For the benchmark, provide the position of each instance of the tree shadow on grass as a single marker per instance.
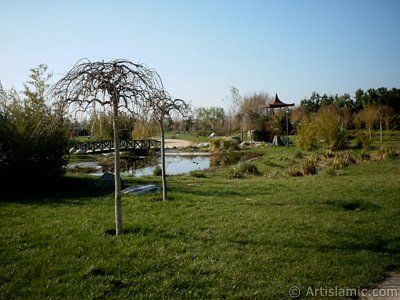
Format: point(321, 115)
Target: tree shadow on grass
point(66, 189)
point(374, 243)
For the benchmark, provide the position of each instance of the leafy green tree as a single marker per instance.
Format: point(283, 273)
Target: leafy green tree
point(234, 101)
point(306, 134)
point(367, 117)
point(324, 129)
point(33, 137)
point(210, 118)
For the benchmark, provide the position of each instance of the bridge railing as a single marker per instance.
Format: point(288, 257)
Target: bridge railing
point(106, 146)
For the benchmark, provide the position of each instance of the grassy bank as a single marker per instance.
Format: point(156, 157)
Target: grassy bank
point(216, 237)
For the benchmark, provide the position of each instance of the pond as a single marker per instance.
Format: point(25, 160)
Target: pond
point(176, 163)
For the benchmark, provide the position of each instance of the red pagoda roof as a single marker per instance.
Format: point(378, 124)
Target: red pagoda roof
point(276, 103)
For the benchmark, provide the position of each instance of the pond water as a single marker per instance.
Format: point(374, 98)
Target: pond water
point(174, 164)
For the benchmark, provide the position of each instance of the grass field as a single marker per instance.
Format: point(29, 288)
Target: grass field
point(216, 237)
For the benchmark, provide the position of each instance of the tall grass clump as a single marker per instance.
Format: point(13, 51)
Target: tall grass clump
point(246, 168)
point(386, 151)
point(307, 167)
point(157, 171)
point(222, 144)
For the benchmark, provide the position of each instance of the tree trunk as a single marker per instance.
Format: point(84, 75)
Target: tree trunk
point(117, 169)
point(164, 180)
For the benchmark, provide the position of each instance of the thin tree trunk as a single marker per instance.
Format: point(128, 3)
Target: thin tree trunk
point(164, 180)
point(117, 169)
point(380, 129)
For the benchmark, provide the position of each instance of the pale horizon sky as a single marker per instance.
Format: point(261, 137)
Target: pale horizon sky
point(202, 48)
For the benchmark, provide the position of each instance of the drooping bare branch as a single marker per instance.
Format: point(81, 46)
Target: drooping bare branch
point(126, 84)
point(119, 85)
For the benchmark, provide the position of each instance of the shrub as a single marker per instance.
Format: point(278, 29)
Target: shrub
point(322, 130)
point(293, 172)
point(309, 166)
point(329, 130)
point(157, 171)
point(260, 135)
point(234, 173)
point(224, 145)
point(244, 169)
point(348, 158)
point(33, 138)
point(363, 141)
point(197, 174)
point(365, 154)
point(333, 171)
point(298, 154)
point(386, 152)
point(306, 135)
point(249, 168)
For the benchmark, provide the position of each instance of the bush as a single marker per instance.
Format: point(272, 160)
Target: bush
point(223, 145)
point(298, 154)
point(306, 135)
point(386, 152)
point(333, 171)
point(309, 166)
point(260, 135)
point(157, 171)
point(365, 154)
point(243, 169)
point(197, 174)
point(322, 130)
point(234, 173)
point(293, 172)
point(249, 168)
point(363, 141)
point(33, 138)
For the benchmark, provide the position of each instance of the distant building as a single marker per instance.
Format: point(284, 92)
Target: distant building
point(275, 103)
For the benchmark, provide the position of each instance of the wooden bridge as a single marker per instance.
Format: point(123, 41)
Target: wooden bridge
point(136, 147)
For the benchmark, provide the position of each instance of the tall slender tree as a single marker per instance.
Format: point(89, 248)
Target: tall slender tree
point(117, 85)
point(162, 105)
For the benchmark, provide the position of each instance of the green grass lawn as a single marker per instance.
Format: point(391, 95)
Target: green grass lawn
point(216, 237)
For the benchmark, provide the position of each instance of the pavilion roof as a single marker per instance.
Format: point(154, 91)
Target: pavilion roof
point(276, 103)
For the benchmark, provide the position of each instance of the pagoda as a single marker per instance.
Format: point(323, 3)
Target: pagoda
point(275, 103)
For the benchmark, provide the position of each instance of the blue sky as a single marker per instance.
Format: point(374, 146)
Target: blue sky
point(202, 48)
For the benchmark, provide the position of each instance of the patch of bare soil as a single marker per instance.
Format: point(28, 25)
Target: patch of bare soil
point(389, 289)
point(177, 143)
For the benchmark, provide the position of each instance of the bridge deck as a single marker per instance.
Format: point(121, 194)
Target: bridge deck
point(106, 146)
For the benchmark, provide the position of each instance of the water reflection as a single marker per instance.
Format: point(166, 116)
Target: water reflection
point(175, 164)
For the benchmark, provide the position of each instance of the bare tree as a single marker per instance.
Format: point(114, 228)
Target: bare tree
point(118, 85)
point(162, 105)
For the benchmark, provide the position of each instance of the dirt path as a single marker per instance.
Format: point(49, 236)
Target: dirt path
point(177, 143)
point(389, 289)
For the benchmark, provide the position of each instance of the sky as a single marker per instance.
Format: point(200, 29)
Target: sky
point(201, 48)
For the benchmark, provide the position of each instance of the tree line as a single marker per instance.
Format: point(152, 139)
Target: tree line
point(33, 138)
point(371, 109)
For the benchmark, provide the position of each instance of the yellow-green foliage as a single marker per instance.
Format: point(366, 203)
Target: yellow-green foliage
point(322, 130)
point(223, 144)
point(306, 135)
